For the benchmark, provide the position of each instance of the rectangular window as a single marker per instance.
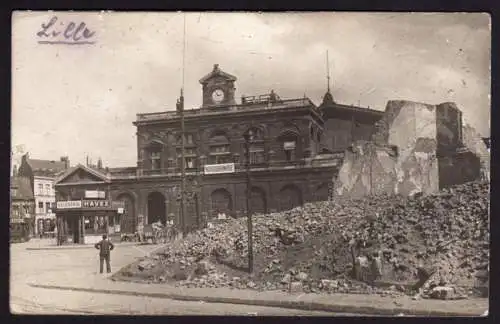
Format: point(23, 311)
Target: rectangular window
point(289, 148)
point(40, 207)
point(187, 152)
point(47, 207)
point(257, 157)
point(47, 189)
point(257, 154)
point(190, 163)
point(220, 159)
point(155, 160)
point(40, 189)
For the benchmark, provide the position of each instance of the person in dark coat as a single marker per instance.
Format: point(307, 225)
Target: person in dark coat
point(105, 247)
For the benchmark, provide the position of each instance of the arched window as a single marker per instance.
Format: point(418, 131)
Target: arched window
point(220, 148)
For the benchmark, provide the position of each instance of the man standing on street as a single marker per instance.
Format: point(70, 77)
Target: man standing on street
point(105, 247)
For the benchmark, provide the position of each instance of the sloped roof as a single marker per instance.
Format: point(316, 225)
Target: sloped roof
point(93, 171)
point(217, 72)
point(46, 167)
point(23, 186)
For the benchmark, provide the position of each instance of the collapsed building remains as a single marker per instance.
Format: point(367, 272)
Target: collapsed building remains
point(416, 148)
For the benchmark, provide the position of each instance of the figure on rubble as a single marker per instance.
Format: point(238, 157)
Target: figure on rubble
point(365, 268)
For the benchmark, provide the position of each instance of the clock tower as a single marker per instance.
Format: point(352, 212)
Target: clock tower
point(218, 88)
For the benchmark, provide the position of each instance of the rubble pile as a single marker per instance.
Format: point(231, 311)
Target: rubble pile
point(426, 242)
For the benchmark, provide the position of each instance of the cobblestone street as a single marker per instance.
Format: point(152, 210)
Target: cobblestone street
point(59, 266)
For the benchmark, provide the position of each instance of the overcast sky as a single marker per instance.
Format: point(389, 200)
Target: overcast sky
point(82, 99)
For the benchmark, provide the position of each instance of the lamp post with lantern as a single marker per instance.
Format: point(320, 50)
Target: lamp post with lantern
point(248, 136)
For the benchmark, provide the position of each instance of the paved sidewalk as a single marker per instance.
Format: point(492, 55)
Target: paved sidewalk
point(50, 244)
point(338, 303)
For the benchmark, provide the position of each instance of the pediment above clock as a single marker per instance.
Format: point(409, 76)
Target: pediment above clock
point(217, 73)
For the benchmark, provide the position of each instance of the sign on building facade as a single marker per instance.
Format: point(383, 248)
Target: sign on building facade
point(219, 168)
point(70, 204)
point(95, 194)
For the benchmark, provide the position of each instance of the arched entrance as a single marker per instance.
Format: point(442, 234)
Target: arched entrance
point(221, 202)
point(322, 192)
point(258, 201)
point(290, 196)
point(127, 220)
point(156, 208)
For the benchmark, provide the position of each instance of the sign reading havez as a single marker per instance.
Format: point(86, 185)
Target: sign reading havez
point(69, 204)
point(219, 168)
point(96, 204)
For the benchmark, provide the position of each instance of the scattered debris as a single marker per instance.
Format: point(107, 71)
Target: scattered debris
point(432, 244)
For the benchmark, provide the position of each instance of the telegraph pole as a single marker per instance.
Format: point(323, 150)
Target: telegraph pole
point(183, 167)
point(248, 138)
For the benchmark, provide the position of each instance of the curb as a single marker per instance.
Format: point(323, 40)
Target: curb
point(294, 304)
point(76, 247)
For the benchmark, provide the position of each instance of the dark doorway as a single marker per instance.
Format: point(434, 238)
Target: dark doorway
point(290, 197)
point(258, 204)
point(156, 208)
point(322, 192)
point(128, 219)
point(221, 202)
point(74, 223)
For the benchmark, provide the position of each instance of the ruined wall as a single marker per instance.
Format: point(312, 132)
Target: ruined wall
point(412, 167)
point(367, 169)
point(473, 141)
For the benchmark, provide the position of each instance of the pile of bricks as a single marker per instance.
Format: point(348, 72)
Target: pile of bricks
point(308, 249)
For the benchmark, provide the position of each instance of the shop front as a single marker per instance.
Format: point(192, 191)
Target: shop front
point(85, 221)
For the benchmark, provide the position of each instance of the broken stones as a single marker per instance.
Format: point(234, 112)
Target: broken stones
point(286, 279)
point(442, 293)
point(296, 287)
point(301, 276)
point(310, 243)
point(145, 265)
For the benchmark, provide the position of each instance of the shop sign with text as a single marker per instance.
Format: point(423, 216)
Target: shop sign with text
point(69, 204)
point(96, 204)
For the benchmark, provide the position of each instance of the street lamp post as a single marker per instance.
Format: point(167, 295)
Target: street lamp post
point(248, 136)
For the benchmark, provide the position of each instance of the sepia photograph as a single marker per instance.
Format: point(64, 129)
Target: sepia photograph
point(250, 164)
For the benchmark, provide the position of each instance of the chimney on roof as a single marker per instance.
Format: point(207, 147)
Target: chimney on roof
point(65, 159)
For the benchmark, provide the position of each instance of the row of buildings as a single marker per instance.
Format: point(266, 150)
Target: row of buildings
point(293, 147)
point(33, 198)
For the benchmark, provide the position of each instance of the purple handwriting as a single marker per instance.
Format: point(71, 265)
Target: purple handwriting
point(65, 33)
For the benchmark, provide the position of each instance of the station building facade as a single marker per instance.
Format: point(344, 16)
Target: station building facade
point(295, 150)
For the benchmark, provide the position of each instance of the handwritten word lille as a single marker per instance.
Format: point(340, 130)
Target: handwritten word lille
point(55, 32)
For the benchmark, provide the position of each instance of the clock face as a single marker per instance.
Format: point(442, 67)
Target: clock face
point(218, 95)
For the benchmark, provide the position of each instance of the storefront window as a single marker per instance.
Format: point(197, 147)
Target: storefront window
point(95, 225)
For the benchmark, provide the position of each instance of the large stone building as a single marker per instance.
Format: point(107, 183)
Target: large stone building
point(295, 149)
point(42, 175)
